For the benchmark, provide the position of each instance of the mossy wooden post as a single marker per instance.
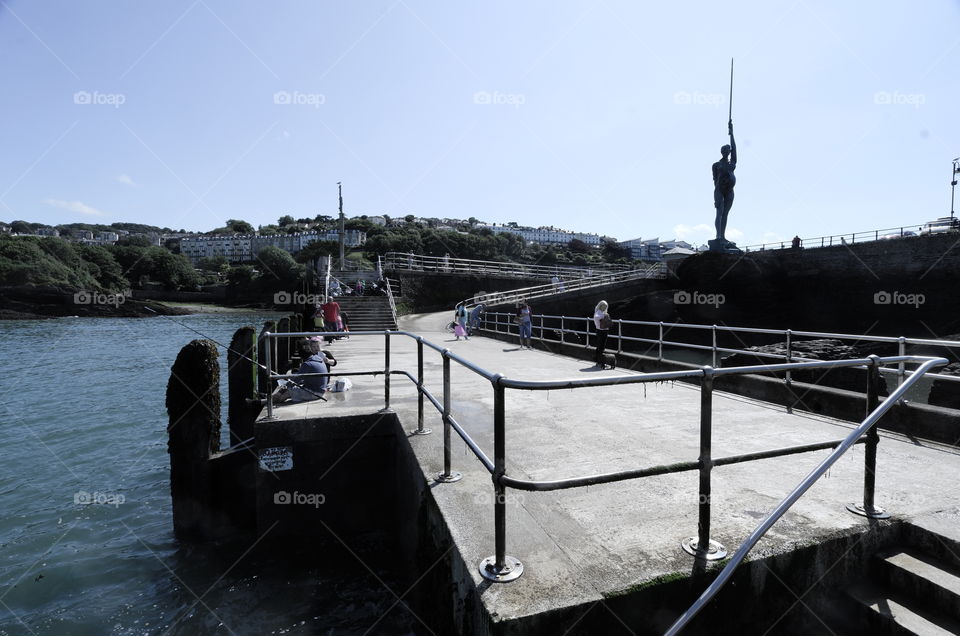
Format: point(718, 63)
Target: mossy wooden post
point(242, 384)
point(265, 386)
point(283, 345)
point(193, 433)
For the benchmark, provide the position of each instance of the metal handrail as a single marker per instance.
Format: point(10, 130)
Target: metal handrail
point(836, 239)
point(500, 566)
point(818, 472)
point(789, 335)
point(393, 305)
point(418, 262)
point(550, 289)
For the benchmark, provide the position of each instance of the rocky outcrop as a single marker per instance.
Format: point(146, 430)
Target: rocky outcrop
point(946, 392)
point(31, 303)
point(851, 379)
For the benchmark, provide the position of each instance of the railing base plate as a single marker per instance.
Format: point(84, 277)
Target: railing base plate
point(449, 479)
point(511, 570)
point(714, 551)
point(417, 431)
point(873, 513)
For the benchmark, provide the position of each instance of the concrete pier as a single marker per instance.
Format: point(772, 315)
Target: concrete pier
point(610, 545)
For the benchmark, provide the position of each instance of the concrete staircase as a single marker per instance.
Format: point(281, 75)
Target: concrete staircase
point(367, 313)
point(913, 588)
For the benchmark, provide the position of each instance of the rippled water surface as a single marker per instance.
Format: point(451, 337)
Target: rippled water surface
point(83, 419)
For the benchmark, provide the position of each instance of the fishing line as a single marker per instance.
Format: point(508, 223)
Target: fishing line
point(245, 357)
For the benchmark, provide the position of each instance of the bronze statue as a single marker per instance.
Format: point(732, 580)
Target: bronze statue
point(723, 181)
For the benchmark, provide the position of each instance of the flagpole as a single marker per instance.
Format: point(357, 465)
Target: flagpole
point(340, 197)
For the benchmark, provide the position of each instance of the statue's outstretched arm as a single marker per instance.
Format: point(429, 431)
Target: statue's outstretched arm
point(733, 144)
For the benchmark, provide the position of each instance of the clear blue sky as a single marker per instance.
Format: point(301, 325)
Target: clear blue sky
point(603, 116)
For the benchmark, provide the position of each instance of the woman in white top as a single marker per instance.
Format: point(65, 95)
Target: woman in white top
point(601, 319)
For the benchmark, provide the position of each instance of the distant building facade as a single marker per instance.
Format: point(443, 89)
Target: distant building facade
point(243, 248)
point(545, 235)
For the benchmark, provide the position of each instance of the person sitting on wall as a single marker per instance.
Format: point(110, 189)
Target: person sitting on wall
point(312, 387)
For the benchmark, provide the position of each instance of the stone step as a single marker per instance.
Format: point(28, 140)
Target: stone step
point(887, 612)
point(922, 576)
point(937, 536)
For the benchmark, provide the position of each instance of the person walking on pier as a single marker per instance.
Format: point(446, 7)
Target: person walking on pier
point(460, 322)
point(602, 321)
point(331, 317)
point(525, 321)
point(476, 315)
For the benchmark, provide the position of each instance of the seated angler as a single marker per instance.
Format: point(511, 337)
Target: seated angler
point(310, 387)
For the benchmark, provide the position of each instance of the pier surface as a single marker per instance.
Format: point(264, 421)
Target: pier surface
point(587, 544)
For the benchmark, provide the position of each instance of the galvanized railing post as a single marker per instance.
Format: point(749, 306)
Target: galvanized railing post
point(563, 331)
point(386, 373)
point(269, 360)
point(447, 475)
point(420, 430)
point(901, 366)
point(619, 336)
point(701, 546)
point(869, 508)
point(500, 567)
point(789, 377)
point(660, 344)
point(714, 330)
point(587, 337)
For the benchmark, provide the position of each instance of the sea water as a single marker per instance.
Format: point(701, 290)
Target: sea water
point(86, 532)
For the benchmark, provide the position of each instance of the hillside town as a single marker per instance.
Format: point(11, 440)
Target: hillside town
point(238, 242)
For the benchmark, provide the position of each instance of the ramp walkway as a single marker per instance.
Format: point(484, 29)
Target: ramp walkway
point(588, 544)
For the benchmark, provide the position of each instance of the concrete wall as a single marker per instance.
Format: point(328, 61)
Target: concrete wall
point(342, 475)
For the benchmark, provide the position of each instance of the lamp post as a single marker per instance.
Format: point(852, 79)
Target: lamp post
point(955, 170)
point(340, 197)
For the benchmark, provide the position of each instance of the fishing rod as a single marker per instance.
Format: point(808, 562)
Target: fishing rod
point(245, 357)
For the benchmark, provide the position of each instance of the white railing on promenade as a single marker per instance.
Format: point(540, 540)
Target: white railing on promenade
point(512, 296)
point(447, 264)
